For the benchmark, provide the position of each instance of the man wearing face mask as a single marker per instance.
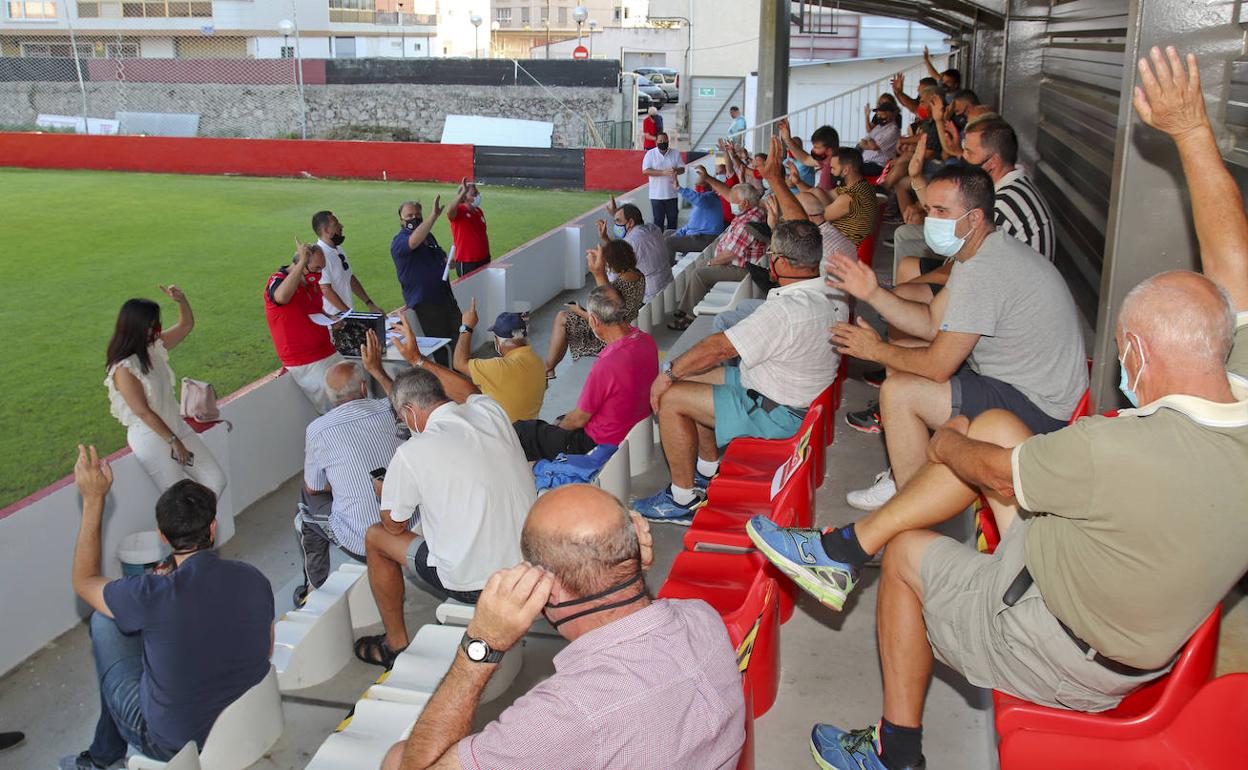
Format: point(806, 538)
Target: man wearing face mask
point(706, 220)
point(462, 478)
point(647, 240)
point(1003, 335)
point(421, 264)
point(1120, 535)
point(468, 231)
point(338, 282)
point(516, 376)
point(823, 142)
point(292, 295)
point(643, 684)
point(662, 165)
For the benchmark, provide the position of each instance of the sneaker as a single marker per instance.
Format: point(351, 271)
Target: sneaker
point(837, 749)
point(799, 554)
point(867, 421)
point(702, 482)
point(661, 507)
point(875, 378)
point(875, 495)
point(300, 595)
point(82, 761)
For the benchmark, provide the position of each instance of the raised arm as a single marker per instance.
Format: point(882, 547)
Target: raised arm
point(463, 346)
point(458, 387)
point(370, 355)
point(717, 186)
point(898, 84)
point(800, 155)
point(1170, 100)
point(285, 290)
point(927, 61)
point(452, 209)
point(422, 230)
point(186, 319)
point(94, 478)
point(773, 172)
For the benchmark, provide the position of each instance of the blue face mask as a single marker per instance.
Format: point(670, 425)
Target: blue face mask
point(1127, 389)
point(940, 235)
point(619, 230)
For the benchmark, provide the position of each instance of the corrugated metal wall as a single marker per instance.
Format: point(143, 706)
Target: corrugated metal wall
point(1080, 88)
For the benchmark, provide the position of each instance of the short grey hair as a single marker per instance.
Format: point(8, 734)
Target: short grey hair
point(799, 241)
point(749, 193)
point(518, 335)
point(587, 565)
point(350, 388)
point(417, 387)
point(1177, 322)
point(606, 304)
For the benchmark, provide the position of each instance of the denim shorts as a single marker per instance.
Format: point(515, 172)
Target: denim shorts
point(738, 414)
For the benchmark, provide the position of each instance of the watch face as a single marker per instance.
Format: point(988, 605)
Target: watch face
point(477, 650)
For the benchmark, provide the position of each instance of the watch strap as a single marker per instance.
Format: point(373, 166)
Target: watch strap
point(491, 656)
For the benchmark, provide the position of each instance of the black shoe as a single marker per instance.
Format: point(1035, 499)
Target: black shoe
point(867, 421)
point(875, 378)
point(300, 596)
point(9, 740)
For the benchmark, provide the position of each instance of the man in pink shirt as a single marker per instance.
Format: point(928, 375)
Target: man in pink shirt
point(644, 685)
point(616, 395)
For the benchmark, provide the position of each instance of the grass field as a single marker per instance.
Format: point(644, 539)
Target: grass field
point(81, 243)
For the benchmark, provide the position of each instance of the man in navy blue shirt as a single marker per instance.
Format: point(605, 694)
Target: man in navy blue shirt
point(421, 266)
point(706, 220)
point(171, 651)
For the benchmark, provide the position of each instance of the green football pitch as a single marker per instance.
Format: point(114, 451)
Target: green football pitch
point(82, 242)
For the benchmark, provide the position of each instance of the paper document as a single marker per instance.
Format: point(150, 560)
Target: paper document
point(320, 319)
point(446, 271)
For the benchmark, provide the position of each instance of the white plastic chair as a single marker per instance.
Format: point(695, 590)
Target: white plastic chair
point(615, 477)
point(453, 613)
point(242, 734)
point(420, 668)
point(669, 296)
point(311, 646)
point(360, 601)
point(364, 740)
point(641, 446)
point(714, 304)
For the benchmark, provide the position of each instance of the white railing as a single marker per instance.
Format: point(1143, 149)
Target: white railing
point(844, 112)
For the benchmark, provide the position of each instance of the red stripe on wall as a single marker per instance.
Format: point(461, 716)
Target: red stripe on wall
point(613, 169)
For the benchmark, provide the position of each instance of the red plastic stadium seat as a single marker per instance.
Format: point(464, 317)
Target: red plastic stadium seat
point(754, 628)
point(723, 580)
point(1034, 737)
point(866, 249)
point(748, 468)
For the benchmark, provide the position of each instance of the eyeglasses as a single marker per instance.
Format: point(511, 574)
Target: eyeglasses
point(771, 254)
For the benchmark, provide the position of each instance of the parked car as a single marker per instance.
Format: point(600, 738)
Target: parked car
point(666, 78)
point(654, 96)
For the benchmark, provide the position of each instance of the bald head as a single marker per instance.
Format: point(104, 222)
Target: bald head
point(345, 382)
point(584, 536)
point(1183, 318)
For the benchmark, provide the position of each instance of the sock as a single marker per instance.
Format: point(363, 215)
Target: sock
point(708, 468)
point(900, 746)
point(681, 495)
point(841, 544)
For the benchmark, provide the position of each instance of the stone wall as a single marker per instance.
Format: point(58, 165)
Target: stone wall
point(272, 111)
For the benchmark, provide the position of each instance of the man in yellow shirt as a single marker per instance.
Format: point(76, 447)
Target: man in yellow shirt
point(516, 379)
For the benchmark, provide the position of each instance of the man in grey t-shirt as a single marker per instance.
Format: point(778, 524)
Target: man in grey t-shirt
point(1004, 335)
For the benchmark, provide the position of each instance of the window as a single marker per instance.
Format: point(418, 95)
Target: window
point(353, 11)
point(524, 15)
point(31, 9)
point(616, 12)
point(502, 16)
point(150, 9)
point(344, 47)
point(288, 52)
point(563, 16)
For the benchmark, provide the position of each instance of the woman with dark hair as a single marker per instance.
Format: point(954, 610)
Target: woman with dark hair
point(141, 396)
point(615, 263)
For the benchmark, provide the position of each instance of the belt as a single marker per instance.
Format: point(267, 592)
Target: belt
point(769, 406)
point(1024, 581)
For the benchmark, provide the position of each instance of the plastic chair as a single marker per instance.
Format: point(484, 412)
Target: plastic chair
point(723, 580)
point(866, 249)
point(364, 738)
point(244, 731)
point(746, 760)
point(760, 457)
point(186, 759)
point(640, 442)
point(420, 668)
point(754, 629)
point(713, 304)
point(616, 476)
point(311, 646)
point(1034, 737)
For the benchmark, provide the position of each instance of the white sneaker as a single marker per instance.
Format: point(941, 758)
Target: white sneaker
point(875, 495)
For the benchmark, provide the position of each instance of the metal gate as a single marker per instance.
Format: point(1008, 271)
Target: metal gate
point(631, 60)
point(709, 100)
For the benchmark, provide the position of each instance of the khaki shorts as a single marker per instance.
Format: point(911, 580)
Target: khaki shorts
point(1019, 650)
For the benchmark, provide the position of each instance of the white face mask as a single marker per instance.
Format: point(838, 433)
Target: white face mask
point(736, 209)
point(941, 235)
point(410, 425)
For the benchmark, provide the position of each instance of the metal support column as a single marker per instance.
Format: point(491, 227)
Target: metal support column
point(773, 60)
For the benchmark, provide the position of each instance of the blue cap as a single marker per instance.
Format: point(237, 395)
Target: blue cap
point(507, 324)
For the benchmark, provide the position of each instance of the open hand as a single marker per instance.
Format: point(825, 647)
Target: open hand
point(919, 157)
point(851, 276)
point(858, 340)
point(783, 127)
point(773, 168)
point(510, 602)
point(93, 476)
point(174, 293)
point(597, 264)
point(602, 229)
point(437, 206)
point(406, 344)
point(1169, 97)
point(370, 353)
point(898, 83)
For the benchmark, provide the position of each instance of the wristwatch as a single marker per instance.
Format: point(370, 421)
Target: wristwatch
point(478, 650)
point(667, 369)
point(465, 329)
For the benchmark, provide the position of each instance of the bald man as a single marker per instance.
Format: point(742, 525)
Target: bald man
point(338, 502)
point(643, 684)
point(1120, 534)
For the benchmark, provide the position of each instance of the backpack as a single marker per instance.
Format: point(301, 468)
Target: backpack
point(199, 402)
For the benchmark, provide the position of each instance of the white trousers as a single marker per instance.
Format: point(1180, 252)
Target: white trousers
point(311, 379)
point(155, 455)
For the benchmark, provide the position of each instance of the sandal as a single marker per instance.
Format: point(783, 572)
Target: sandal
point(681, 323)
point(550, 374)
point(376, 651)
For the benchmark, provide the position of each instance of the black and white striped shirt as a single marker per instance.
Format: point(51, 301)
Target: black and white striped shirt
point(1021, 212)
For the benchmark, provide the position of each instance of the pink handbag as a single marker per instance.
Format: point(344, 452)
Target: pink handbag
point(199, 402)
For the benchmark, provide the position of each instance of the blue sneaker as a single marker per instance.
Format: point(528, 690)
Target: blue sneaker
point(702, 482)
point(837, 749)
point(661, 507)
point(799, 554)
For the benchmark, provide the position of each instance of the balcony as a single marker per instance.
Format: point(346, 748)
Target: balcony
point(383, 18)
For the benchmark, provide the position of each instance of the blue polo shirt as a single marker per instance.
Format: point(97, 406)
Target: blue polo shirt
point(205, 630)
point(420, 270)
point(707, 216)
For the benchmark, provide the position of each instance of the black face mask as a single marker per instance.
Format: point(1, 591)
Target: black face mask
point(960, 122)
point(663, 146)
point(412, 224)
point(595, 597)
point(337, 239)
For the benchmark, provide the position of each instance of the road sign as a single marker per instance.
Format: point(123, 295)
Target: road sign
point(580, 52)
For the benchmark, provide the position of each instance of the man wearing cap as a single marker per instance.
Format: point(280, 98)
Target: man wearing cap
point(879, 146)
point(516, 378)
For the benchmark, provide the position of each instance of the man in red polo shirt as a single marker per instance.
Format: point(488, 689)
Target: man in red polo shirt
point(471, 242)
point(292, 295)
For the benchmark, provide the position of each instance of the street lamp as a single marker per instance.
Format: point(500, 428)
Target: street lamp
point(402, 30)
point(476, 39)
point(580, 13)
point(593, 27)
point(285, 26)
point(494, 28)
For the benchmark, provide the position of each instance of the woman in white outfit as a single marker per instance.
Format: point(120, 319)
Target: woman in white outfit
point(141, 397)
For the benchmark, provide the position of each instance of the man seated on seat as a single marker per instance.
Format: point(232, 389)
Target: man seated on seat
point(785, 365)
point(644, 684)
point(171, 650)
point(851, 207)
point(615, 396)
point(341, 448)
point(823, 143)
point(734, 250)
point(464, 469)
point(516, 377)
point(648, 242)
point(1004, 334)
point(706, 216)
point(1120, 534)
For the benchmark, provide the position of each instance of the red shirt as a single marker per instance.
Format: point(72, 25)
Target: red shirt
point(731, 181)
point(297, 340)
point(472, 244)
point(648, 126)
